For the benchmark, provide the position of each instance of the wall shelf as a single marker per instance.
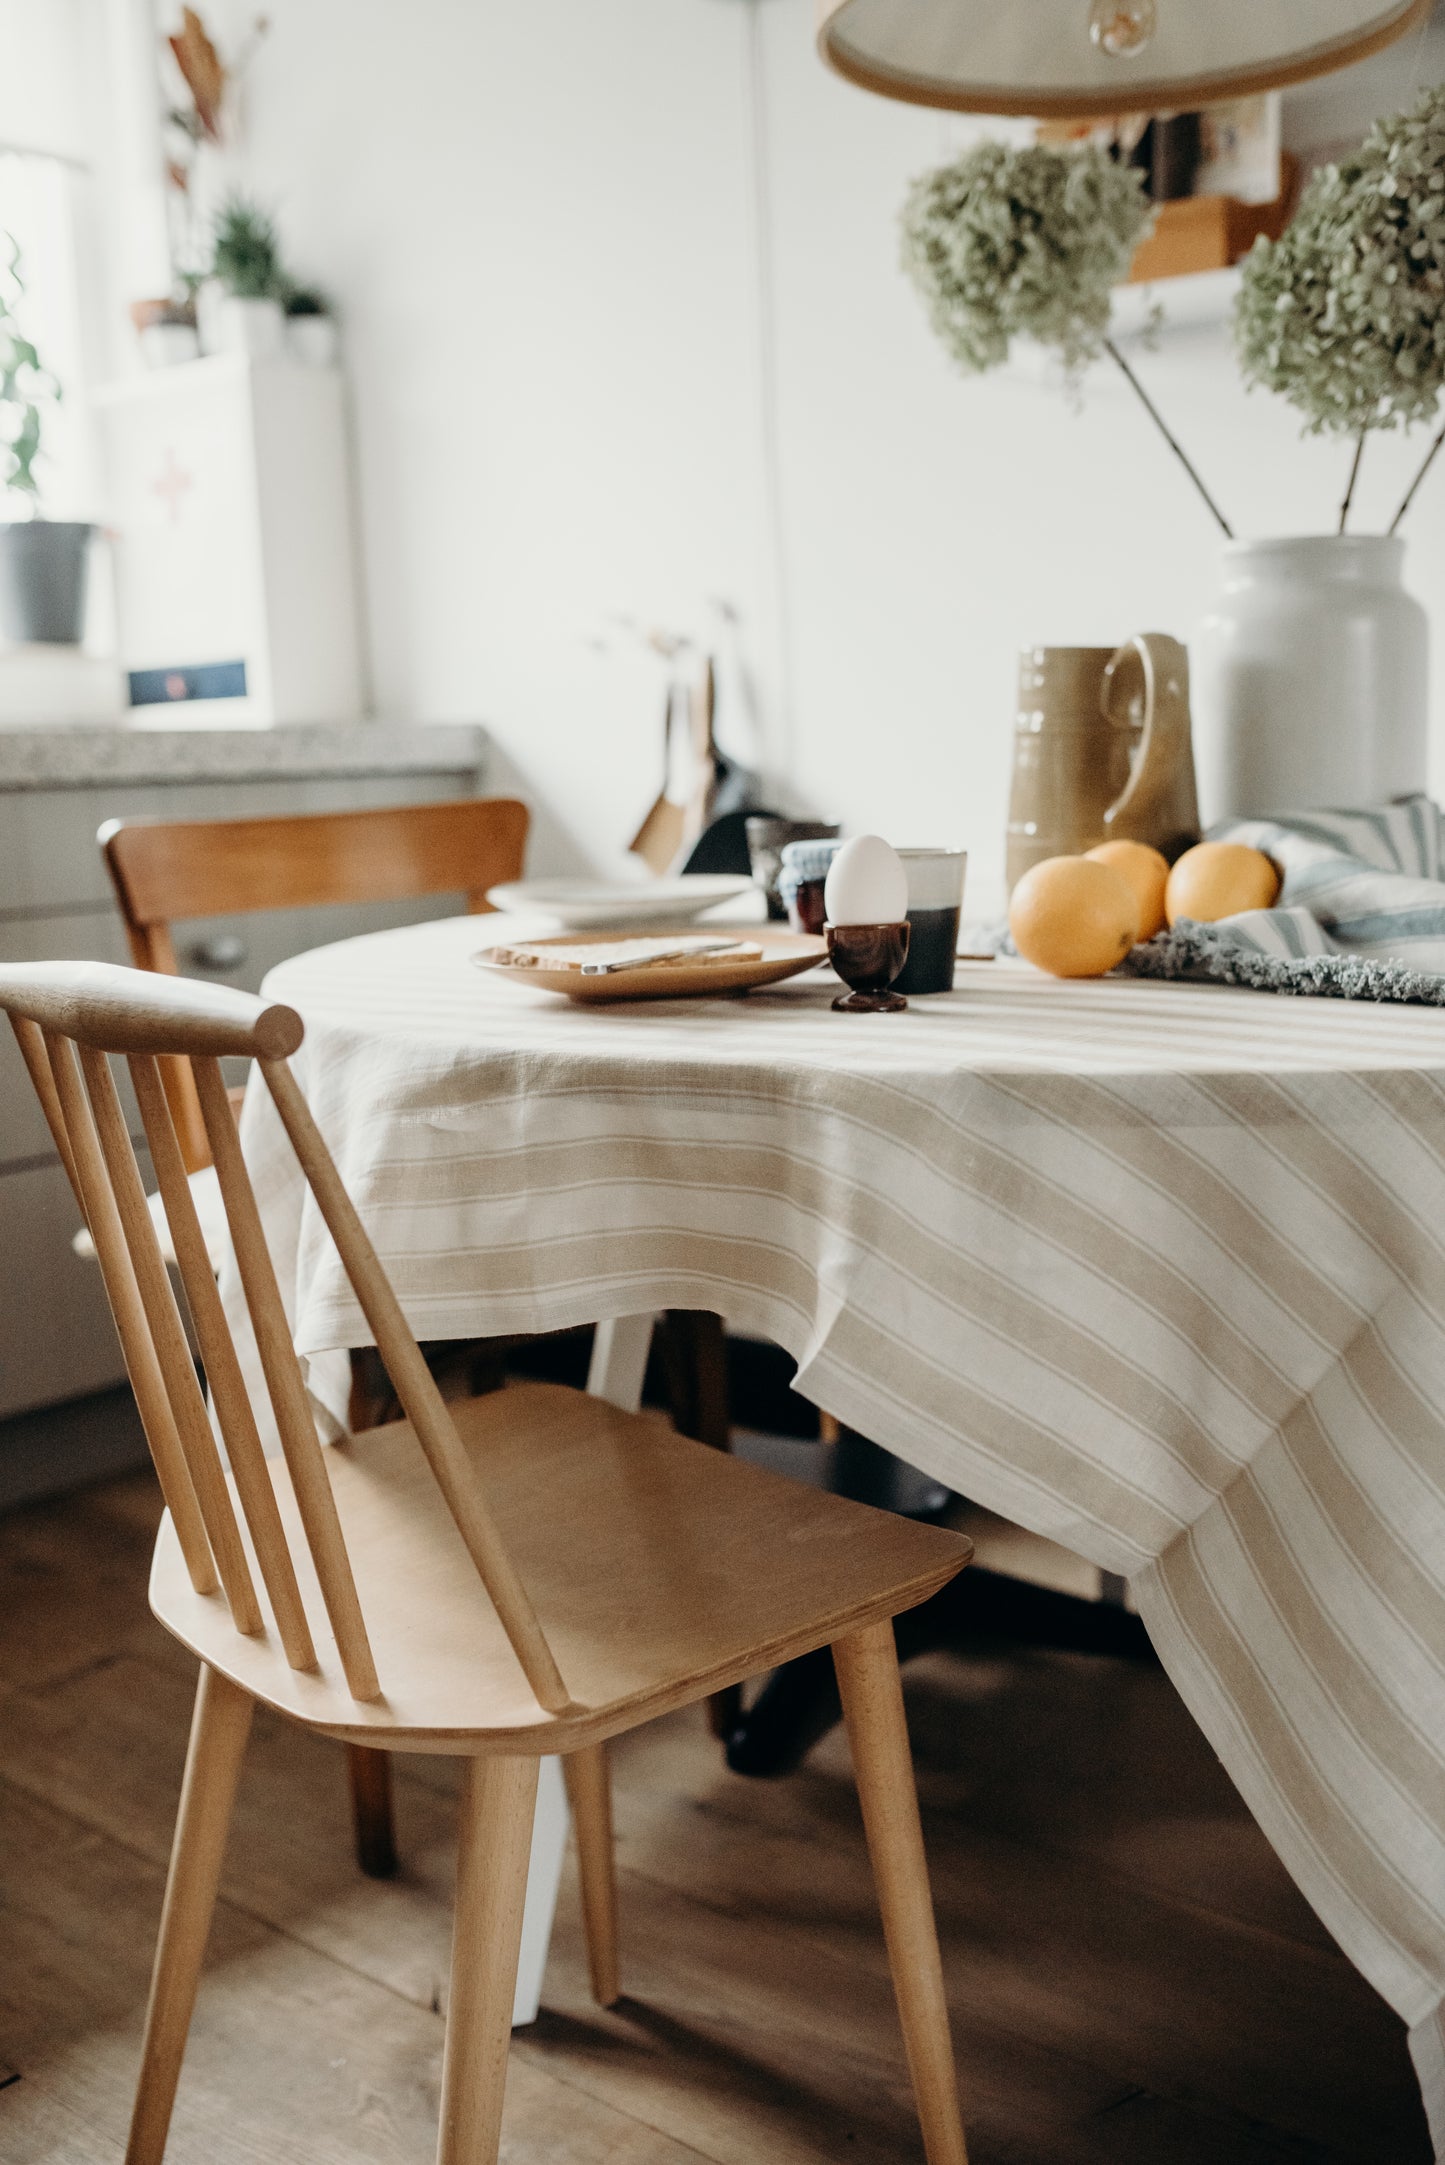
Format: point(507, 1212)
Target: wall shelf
point(1199, 301)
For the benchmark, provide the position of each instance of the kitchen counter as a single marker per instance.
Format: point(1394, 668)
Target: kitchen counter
point(80, 757)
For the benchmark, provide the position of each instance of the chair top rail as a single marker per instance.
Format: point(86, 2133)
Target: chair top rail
point(121, 1010)
point(215, 868)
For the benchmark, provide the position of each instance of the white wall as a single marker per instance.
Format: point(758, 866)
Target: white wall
point(596, 371)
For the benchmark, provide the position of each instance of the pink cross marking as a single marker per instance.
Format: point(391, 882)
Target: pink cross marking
point(172, 485)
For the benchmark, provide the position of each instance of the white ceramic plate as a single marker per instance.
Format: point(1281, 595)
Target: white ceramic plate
point(596, 905)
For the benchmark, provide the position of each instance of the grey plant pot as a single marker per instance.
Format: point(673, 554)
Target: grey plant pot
point(43, 564)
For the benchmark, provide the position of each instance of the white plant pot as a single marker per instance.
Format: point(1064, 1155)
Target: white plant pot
point(165, 345)
point(1309, 678)
point(257, 328)
point(312, 340)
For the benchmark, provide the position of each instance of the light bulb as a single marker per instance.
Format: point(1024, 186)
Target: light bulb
point(1122, 28)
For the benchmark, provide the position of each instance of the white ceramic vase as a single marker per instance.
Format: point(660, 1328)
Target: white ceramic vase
point(1309, 678)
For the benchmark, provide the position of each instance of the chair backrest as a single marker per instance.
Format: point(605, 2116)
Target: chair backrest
point(69, 1019)
point(164, 870)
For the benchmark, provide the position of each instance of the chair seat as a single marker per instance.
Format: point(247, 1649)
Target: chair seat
point(660, 1571)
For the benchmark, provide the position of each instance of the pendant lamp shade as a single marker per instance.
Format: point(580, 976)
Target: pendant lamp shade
point(1038, 57)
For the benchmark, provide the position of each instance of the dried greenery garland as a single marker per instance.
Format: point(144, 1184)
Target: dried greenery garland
point(1344, 315)
point(1030, 242)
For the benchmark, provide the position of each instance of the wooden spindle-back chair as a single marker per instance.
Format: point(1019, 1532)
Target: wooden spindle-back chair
point(526, 1573)
point(165, 871)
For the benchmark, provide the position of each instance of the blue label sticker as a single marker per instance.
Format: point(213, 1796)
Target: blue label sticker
point(212, 680)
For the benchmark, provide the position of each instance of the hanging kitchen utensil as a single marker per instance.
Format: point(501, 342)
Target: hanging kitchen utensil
point(683, 805)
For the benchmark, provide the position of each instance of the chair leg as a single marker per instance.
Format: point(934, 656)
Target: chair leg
point(589, 1791)
point(219, 1729)
point(694, 1349)
point(867, 1665)
point(495, 1840)
point(371, 1813)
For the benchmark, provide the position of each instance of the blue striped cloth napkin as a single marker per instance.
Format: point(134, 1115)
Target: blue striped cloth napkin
point(1361, 913)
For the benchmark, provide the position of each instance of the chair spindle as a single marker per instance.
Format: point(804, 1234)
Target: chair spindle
point(304, 1457)
point(223, 1370)
point(98, 1206)
point(167, 1335)
point(31, 1040)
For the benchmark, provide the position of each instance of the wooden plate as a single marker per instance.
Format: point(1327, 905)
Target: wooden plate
point(784, 955)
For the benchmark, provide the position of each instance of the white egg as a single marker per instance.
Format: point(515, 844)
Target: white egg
point(866, 884)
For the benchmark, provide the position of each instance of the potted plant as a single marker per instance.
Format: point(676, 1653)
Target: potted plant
point(42, 561)
point(166, 330)
point(310, 326)
point(1311, 668)
point(246, 267)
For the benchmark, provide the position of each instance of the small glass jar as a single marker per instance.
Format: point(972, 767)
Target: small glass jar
point(800, 882)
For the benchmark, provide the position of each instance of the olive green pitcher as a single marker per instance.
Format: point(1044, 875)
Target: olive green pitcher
point(1102, 751)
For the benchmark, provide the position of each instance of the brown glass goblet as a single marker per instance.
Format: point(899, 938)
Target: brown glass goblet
point(868, 957)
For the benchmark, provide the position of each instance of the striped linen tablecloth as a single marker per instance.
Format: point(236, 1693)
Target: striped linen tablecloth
point(1156, 1270)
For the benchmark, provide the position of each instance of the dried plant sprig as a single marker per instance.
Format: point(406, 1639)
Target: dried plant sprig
point(1030, 242)
point(205, 76)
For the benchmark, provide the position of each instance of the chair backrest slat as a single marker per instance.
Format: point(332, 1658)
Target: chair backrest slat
point(415, 1386)
point(223, 1369)
point(61, 1010)
point(97, 1204)
point(193, 1427)
point(165, 870)
point(295, 1425)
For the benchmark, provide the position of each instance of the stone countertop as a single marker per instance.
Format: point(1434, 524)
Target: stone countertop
point(75, 758)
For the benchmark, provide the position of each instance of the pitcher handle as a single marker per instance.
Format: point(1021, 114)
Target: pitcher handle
point(1156, 653)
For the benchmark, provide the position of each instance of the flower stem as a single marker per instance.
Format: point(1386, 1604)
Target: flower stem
point(1409, 494)
point(1173, 442)
point(1350, 484)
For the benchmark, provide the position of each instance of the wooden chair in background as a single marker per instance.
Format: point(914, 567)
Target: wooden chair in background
point(526, 1573)
point(165, 871)
point(168, 870)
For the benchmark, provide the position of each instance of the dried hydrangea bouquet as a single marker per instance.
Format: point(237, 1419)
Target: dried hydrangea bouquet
point(1007, 243)
point(1309, 674)
point(1344, 315)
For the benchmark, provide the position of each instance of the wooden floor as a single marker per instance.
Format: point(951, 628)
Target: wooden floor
point(1133, 1979)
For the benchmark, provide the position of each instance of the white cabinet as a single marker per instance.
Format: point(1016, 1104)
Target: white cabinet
point(230, 503)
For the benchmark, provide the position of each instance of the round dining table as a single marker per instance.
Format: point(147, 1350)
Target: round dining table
point(1155, 1270)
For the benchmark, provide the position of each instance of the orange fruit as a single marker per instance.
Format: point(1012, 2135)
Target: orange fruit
point(1218, 879)
point(1146, 871)
point(1073, 916)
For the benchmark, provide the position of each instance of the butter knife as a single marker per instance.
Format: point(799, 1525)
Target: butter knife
point(660, 954)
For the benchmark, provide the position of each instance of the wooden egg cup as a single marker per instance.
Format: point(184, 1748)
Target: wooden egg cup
point(868, 958)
